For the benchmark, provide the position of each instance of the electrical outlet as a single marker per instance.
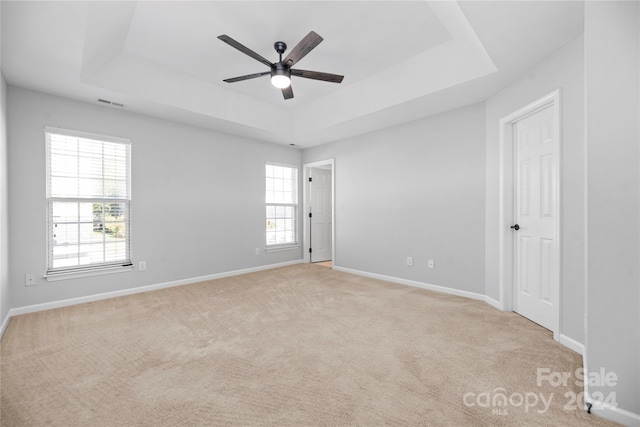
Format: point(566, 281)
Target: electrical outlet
point(142, 265)
point(409, 260)
point(430, 263)
point(257, 251)
point(29, 280)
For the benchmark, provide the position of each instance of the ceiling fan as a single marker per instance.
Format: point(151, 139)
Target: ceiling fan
point(281, 71)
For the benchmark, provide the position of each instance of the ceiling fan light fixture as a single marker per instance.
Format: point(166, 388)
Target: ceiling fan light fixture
point(280, 81)
point(280, 76)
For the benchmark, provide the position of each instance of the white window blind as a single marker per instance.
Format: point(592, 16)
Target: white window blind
point(88, 201)
point(282, 205)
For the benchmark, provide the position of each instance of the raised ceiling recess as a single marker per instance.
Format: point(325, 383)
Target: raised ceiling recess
point(403, 59)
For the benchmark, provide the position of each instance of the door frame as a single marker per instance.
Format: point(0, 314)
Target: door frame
point(305, 241)
point(506, 268)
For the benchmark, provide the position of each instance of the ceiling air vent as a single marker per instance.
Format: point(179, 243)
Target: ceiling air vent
point(106, 101)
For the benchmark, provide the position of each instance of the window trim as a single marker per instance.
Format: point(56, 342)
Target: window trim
point(282, 247)
point(93, 271)
point(292, 245)
point(89, 135)
point(63, 273)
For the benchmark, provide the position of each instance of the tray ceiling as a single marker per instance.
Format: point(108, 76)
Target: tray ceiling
point(401, 60)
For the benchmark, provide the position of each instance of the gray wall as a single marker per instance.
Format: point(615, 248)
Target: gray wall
point(197, 197)
point(417, 190)
point(4, 195)
point(612, 70)
point(564, 70)
point(4, 209)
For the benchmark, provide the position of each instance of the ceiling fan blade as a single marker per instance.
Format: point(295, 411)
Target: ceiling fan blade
point(317, 75)
point(247, 77)
point(306, 45)
point(242, 48)
point(287, 92)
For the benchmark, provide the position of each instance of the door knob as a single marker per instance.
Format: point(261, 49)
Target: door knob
point(516, 227)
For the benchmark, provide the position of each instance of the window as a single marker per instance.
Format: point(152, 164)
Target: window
point(88, 202)
point(282, 205)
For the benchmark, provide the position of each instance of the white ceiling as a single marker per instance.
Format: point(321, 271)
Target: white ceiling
point(401, 59)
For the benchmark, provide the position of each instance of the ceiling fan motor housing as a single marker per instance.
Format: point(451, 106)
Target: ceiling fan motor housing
point(279, 69)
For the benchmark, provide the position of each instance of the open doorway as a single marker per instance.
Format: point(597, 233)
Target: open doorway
point(319, 209)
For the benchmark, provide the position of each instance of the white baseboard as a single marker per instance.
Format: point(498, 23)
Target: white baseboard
point(493, 303)
point(5, 323)
point(563, 339)
point(571, 343)
point(606, 410)
point(97, 297)
point(613, 413)
point(413, 283)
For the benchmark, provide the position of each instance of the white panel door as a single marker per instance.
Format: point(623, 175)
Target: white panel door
point(536, 196)
point(320, 191)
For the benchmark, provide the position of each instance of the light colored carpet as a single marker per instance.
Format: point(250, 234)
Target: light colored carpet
point(325, 263)
point(301, 345)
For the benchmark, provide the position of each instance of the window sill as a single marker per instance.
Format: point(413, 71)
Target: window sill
point(54, 277)
point(281, 248)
